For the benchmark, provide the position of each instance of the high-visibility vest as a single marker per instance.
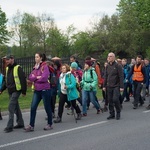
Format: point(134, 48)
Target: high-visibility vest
point(137, 73)
point(16, 77)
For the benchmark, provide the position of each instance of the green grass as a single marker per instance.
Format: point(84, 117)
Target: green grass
point(25, 102)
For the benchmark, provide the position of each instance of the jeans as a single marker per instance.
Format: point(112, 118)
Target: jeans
point(37, 96)
point(92, 96)
point(14, 109)
point(113, 94)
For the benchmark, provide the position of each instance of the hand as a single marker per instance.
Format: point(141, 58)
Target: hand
point(33, 75)
point(121, 89)
point(23, 95)
point(99, 85)
point(65, 87)
point(0, 92)
point(38, 77)
point(104, 89)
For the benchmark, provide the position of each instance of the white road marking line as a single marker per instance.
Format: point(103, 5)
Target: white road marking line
point(146, 111)
point(51, 134)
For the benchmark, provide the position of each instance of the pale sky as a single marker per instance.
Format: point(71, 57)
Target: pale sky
point(64, 12)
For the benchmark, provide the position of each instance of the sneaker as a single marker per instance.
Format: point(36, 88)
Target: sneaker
point(118, 116)
point(29, 128)
point(58, 120)
point(7, 130)
point(105, 109)
point(84, 115)
point(53, 115)
point(127, 100)
point(135, 107)
point(48, 127)
point(111, 117)
point(148, 107)
point(18, 126)
point(79, 116)
point(70, 113)
point(98, 111)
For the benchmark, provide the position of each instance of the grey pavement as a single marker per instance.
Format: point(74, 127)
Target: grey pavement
point(94, 132)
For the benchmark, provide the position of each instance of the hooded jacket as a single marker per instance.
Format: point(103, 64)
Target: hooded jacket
point(42, 83)
point(89, 80)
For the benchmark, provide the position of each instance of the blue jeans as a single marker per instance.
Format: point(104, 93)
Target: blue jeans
point(37, 96)
point(92, 96)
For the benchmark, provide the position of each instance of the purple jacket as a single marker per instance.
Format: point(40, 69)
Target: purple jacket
point(42, 83)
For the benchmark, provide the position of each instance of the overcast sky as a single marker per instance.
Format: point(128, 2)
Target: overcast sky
point(64, 12)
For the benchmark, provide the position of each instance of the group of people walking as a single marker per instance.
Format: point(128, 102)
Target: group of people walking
point(72, 83)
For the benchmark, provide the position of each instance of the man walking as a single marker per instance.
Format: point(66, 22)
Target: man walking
point(16, 84)
point(139, 78)
point(113, 82)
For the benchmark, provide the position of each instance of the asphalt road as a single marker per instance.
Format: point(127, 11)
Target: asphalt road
point(94, 132)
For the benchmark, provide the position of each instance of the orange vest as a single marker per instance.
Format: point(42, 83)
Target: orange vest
point(137, 73)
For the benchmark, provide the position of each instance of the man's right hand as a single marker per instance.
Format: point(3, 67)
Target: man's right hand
point(104, 89)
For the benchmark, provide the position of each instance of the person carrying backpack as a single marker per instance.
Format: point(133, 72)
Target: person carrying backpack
point(89, 84)
point(68, 92)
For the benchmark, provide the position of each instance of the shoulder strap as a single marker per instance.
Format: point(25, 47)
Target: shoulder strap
point(91, 72)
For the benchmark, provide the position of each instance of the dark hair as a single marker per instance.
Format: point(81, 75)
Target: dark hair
point(73, 57)
point(42, 55)
point(57, 63)
point(88, 58)
point(140, 56)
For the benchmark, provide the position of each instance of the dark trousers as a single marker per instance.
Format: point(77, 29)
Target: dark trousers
point(14, 108)
point(37, 97)
point(53, 98)
point(113, 99)
point(62, 100)
point(126, 92)
point(137, 93)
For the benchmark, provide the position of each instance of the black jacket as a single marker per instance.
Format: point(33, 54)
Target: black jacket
point(113, 75)
point(10, 82)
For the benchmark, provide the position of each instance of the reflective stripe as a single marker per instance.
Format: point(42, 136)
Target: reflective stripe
point(16, 77)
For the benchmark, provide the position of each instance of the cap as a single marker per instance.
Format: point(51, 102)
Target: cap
point(89, 62)
point(9, 57)
point(74, 65)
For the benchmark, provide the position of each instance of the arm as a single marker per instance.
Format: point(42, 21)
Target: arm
point(44, 75)
point(94, 83)
point(121, 77)
point(72, 84)
point(23, 82)
point(98, 72)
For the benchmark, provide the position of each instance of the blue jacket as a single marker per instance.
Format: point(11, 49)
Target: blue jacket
point(147, 70)
point(1, 80)
point(70, 82)
point(126, 70)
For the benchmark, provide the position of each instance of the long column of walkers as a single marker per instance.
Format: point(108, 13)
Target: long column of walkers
point(73, 84)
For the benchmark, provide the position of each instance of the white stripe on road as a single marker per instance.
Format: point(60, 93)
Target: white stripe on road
point(51, 134)
point(147, 111)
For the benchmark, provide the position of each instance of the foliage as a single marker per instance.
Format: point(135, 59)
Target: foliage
point(3, 27)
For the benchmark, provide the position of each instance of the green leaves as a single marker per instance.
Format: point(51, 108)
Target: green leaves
point(3, 28)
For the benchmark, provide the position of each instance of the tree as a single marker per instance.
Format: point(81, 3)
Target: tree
point(3, 28)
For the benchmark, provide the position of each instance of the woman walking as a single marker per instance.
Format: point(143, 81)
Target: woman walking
point(68, 92)
point(39, 77)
